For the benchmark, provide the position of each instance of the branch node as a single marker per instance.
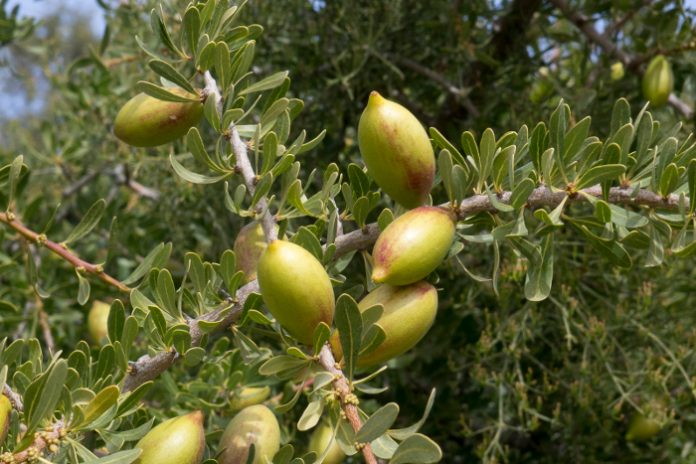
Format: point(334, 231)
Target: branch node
point(41, 239)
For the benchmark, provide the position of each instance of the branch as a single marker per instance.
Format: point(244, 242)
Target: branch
point(44, 440)
point(15, 399)
point(80, 265)
point(149, 367)
point(340, 383)
point(605, 42)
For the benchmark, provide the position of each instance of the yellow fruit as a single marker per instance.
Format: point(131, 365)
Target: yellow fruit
point(145, 121)
point(248, 248)
point(295, 288)
point(409, 312)
point(617, 71)
point(179, 440)
point(249, 396)
point(5, 414)
point(321, 440)
point(97, 322)
point(254, 424)
point(642, 428)
point(658, 81)
point(412, 246)
point(397, 151)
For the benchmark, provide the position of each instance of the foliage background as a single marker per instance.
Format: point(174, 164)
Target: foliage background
point(517, 381)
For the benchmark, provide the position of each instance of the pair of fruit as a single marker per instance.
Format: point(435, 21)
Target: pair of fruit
point(181, 440)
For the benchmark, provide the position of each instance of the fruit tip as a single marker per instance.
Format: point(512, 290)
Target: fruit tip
point(375, 98)
point(378, 275)
point(197, 416)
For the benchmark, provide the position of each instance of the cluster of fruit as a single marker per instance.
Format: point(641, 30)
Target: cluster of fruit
point(294, 285)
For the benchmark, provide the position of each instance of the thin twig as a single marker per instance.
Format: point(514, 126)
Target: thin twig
point(15, 399)
point(79, 264)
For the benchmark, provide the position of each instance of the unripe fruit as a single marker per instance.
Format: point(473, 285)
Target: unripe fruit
point(409, 312)
point(397, 151)
point(179, 440)
point(321, 440)
point(145, 121)
point(249, 396)
point(295, 288)
point(642, 428)
point(5, 414)
point(617, 71)
point(248, 248)
point(658, 81)
point(412, 246)
point(254, 424)
point(97, 321)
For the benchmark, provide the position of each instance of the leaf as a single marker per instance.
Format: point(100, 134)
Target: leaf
point(349, 324)
point(321, 335)
point(378, 423)
point(537, 286)
point(103, 401)
point(165, 294)
point(156, 258)
point(192, 28)
point(691, 176)
point(417, 449)
point(168, 71)
point(311, 415)
point(521, 192)
point(162, 93)
point(88, 222)
point(192, 177)
point(84, 288)
point(15, 171)
point(599, 174)
point(271, 82)
point(158, 26)
point(47, 395)
point(402, 434)
point(121, 457)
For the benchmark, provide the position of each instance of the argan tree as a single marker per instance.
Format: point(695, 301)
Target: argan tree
point(415, 252)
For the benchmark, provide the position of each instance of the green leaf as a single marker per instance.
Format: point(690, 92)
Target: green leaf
point(156, 258)
point(599, 174)
point(281, 365)
point(158, 26)
point(103, 401)
point(378, 423)
point(192, 28)
point(48, 392)
point(321, 335)
point(521, 192)
point(121, 457)
point(349, 324)
point(212, 115)
point(88, 222)
point(15, 171)
point(161, 93)
point(691, 177)
point(223, 65)
point(669, 180)
point(84, 288)
point(417, 449)
point(271, 82)
point(537, 286)
point(311, 415)
point(165, 294)
point(192, 177)
point(168, 71)
point(402, 434)
point(445, 144)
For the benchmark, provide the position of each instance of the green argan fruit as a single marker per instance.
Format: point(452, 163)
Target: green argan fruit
point(254, 424)
point(249, 396)
point(658, 81)
point(248, 248)
point(412, 246)
point(617, 71)
point(397, 151)
point(409, 312)
point(5, 414)
point(145, 121)
point(642, 428)
point(321, 440)
point(179, 440)
point(295, 288)
point(97, 321)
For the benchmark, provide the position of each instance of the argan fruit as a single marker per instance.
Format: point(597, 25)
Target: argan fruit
point(145, 121)
point(248, 248)
point(97, 321)
point(658, 81)
point(617, 71)
point(179, 440)
point(249, 396)
point(397, 151)
point(321, 440)
point(412, 246)
point(409, 312)
point(642, 428)
point(5, 414)
point(295, 288)
point(254, 424)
